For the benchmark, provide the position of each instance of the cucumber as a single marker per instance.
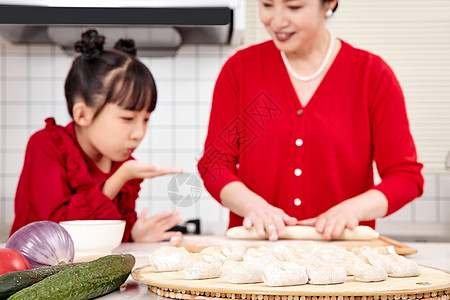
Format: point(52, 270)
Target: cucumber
point(13, 282)
point(84, 281)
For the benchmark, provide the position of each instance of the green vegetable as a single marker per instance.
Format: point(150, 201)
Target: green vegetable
point(13, 282)
point(84, 281)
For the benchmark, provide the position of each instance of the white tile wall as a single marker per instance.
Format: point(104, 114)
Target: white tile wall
point(31, 89)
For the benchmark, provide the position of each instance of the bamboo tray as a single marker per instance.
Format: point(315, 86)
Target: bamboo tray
point(431, 284)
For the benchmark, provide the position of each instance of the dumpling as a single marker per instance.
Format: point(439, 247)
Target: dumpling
point(281, 273)
point(394, 264)
point(307, 261)
point(262, 256)
point(242, 271)
point(326, 274)
point(226, 252)
point(168, 258)
point(280, 251)
point(360, 268)
point(201, 266)
point(368, 273)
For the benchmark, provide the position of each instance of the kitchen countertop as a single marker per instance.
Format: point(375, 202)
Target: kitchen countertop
point(436, 255)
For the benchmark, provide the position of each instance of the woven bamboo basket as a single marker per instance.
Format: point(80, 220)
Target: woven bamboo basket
point(431, 284)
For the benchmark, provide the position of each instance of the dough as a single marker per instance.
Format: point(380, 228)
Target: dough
point(242, 271)
point(361, 269)
point(280, 273)
point(326, 274)
point(394, 264)
point(226, 252)
point(305, 233)
point(280, 251)
point(330, 253)
point(201, 266)
point(368, 273)
point(260, 256)
point(311, 261)
point(168, 258)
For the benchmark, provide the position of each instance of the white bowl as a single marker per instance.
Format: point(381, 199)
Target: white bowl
point(95, 236)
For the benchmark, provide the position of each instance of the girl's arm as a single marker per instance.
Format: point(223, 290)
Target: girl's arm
point(55, 185)
point(132, 169)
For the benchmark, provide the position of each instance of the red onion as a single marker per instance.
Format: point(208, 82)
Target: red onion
point(43, 243)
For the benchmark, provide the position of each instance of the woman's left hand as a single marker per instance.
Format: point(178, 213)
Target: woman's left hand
point(333, 222)
point(347, 214)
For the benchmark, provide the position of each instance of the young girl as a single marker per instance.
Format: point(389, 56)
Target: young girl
point(85, 170)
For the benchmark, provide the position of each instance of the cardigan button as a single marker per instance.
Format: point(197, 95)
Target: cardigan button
point(299, 142)
point(297, 201)
point(298, 172)
point(299, 112)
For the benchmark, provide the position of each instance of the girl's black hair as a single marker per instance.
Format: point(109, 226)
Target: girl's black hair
point(99, 76)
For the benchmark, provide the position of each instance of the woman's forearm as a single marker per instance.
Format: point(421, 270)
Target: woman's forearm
point(238, 198)
point(370, 205)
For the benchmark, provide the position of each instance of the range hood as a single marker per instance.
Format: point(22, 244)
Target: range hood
point(159, 28)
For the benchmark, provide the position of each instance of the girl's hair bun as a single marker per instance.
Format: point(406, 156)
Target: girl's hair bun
point(91, 44)
point(127, 46)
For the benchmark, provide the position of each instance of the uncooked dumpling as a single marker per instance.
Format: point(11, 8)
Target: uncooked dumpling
point(168, 258)
point(280, 251)
point(226, 252)
point(363, 271)
point(326, 274)
point(394, 264)
point(360, 268)
point(280, 273)
point(201, 266)
point(260, 256)
point(242, 271)
point(368, 273)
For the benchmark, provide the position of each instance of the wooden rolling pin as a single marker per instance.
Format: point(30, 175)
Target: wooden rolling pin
point(305, 233)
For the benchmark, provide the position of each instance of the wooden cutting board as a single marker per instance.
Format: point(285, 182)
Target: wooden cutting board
point(430, 284)
point(195, 243)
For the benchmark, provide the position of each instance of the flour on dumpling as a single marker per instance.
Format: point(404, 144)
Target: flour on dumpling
point(242, 271)
point(201, 266)
point(226, 252)
point(394, 264)
point(326, 274)
point(168, 258)
point(281, 273)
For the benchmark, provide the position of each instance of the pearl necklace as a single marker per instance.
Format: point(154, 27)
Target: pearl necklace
point(319, 71)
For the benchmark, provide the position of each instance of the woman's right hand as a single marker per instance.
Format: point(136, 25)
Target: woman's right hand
point(137, 169)
point(268, 219)
point(255, 210)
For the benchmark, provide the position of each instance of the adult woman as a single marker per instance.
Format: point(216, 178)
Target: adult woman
point(296, 124)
